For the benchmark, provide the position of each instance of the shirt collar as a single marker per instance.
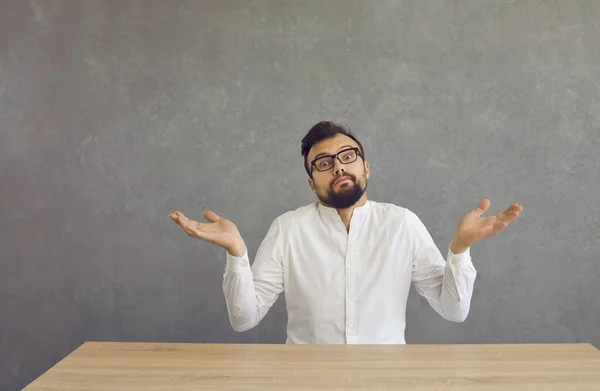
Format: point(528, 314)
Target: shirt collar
point(332, 212)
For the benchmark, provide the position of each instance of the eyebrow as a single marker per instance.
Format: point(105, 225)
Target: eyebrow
point(339, 149)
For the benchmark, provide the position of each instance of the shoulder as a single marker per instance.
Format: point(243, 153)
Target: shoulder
point(388, 210)
point(400, 219)
point(294, 216)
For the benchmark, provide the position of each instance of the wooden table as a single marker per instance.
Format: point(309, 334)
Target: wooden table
point(178, 366)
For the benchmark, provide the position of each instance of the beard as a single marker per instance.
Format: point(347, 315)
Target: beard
point(346, 196)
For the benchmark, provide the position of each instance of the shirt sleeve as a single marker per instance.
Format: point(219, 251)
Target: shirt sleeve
point(250, 291)
point(446, 284)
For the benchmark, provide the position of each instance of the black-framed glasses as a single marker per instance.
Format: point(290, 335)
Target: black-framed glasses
point(345, 156)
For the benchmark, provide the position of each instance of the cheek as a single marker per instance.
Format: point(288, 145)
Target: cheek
point(321, 182)
point(322, 186)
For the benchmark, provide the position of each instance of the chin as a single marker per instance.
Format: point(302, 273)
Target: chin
point(345, 188)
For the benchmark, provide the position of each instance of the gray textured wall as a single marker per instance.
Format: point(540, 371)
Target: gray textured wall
point(114, 113)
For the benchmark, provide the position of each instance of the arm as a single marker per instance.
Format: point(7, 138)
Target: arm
point(446, 284)
point(250, 291)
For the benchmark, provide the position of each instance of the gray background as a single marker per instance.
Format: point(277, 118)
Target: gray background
point(114, 113)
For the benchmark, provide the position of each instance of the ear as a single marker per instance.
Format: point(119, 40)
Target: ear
point(311, 183)
point(367, 170)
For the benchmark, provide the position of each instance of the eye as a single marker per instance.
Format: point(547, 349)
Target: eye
point(323, 164)
point(348, 155)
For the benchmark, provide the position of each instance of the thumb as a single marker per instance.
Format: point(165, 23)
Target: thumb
point(211, 216)
point(482, 207)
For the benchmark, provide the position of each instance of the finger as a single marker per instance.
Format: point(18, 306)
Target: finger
point(509, 211)
point(183, 219)
point(515, 207)
point(510, 214)
point(200, 229)
point(188, 231)
point(211, 216)
point(185, 223)
point(193, 230)
point(508, 220)
point(201, 234)
point(204, 227)
point(499, 227)
point(512, 207)
point(505, 217)
point(482, 207)
point(179, 219)
point(176, 219)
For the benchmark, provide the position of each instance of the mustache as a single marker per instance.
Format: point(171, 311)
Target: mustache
point(348, 176)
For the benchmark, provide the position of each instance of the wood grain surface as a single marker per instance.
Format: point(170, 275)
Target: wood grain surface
point(181, 366)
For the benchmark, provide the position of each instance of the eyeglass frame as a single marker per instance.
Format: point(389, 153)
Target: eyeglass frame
point(336, 156)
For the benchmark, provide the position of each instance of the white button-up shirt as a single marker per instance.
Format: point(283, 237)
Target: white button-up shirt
point(346, 286)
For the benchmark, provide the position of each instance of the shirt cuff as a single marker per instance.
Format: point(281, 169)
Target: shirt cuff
point(237, 264)
point(460, 260)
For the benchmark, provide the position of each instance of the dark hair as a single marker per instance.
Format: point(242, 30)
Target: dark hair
point(321, 131)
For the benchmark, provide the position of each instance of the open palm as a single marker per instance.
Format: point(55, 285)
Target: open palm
point(219, 231)
point(473, 227)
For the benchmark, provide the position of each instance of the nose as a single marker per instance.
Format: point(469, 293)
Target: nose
point(338, 167)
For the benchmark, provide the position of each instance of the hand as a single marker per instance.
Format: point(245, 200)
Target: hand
point(221, 232)
point(473, 227)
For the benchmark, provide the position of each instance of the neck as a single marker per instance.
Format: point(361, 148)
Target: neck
point(346, 213)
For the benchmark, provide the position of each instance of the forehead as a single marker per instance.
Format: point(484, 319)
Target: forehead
point(331, 145)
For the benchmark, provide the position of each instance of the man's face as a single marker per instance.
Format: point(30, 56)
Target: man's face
point(343, 184)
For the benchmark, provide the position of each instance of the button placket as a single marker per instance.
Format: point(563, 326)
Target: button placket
point(350, 269)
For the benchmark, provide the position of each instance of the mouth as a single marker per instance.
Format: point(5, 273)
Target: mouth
point(342, 181)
